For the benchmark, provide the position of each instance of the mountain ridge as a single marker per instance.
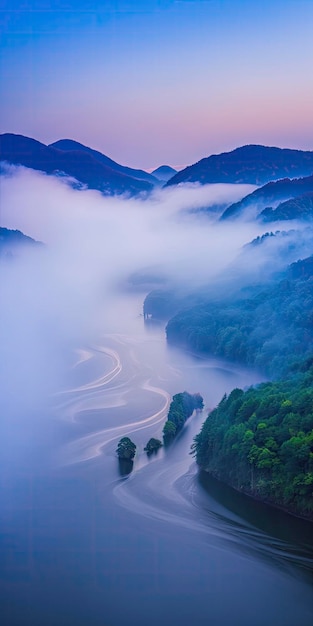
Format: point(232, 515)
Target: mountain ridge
point(14, 241)
point(299, 207)
point(270, 195)
point(251, 164)
point(68, 145)
point(81, 165)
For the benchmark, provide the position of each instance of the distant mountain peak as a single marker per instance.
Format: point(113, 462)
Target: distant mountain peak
point(164, 172)
point(251, 164)
point(81, 163)
point(68, 145)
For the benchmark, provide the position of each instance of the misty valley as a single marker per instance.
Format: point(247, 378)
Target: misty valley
point(157, 388)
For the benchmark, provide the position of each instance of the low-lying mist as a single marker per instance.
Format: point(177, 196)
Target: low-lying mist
point(63, 295)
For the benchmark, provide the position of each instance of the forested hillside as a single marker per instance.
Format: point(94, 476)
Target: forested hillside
point(300, 208)
point(269, 196)
point(261, 441)
point(269, 330)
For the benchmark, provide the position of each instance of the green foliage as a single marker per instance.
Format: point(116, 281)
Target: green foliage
point(126, 449)
point(153, 445)
point(271, 330)
point(261, 442)
point(169, 430)
point(198, 402)
point(182, 406)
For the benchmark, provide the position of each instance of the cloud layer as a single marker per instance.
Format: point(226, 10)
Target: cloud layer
point(67, 293)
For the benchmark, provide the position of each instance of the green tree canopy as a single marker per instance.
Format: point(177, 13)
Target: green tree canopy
point(126, 449)
point(255, 443)
point(153, 445)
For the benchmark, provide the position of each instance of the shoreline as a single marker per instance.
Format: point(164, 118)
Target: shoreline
point(257, 498)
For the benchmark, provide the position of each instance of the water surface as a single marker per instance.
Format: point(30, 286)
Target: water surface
point(86, 544)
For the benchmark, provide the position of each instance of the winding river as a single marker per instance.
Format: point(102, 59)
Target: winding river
point(85, 543)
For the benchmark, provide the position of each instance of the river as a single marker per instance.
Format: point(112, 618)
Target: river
point(86, 544)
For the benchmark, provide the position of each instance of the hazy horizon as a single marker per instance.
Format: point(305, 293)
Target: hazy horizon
point(150, 170)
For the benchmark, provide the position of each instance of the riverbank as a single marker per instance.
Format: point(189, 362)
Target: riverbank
point(254, 497)
point(259, 442)
point(80, 542)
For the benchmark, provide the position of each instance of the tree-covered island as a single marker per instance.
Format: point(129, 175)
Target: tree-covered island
point(126, 449)
point(182, 406)
point(153, 445)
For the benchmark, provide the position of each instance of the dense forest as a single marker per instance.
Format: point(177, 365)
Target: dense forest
point(270, 329)
point(261, 441)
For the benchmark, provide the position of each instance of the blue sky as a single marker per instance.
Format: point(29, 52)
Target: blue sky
point(161, 81)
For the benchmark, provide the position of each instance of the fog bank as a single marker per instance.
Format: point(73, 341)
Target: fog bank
point(65, 295)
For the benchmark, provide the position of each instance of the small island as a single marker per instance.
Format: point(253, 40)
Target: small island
point(126, 449)
point(153, 445)
point(181, 407)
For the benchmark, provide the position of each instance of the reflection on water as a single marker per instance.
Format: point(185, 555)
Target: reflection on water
point(275, 531)
point(125, 466)
point(82, 546)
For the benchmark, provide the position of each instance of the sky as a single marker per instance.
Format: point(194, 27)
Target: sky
point(159, 81)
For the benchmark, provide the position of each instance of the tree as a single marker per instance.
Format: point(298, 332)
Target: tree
point(169, 430)
point(253, 442)
point(126, 449)
point(153, 445)
point(198, 401)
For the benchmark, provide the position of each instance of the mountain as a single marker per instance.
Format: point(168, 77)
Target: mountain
point(68, 145)
point(302, 269)
point(296, 208)
point(79, 164)
point(164, 173)
point(269, 195)
point(270, 329)
point(272, 251)
point(13, 240)
point(251, 164)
